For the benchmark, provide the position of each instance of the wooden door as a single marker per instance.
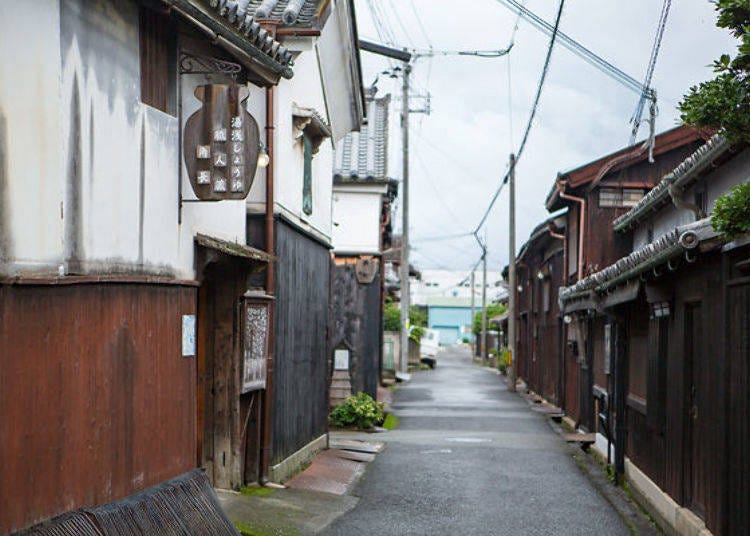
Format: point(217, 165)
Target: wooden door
point(696, 431)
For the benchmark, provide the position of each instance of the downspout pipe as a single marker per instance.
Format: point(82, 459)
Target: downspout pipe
point(266, 443)
point(561, 185)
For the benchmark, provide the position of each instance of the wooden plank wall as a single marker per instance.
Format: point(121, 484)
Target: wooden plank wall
point(737, 434)
point(301, 352)
point(692, 467)
point(96, 400)
point(357, 324)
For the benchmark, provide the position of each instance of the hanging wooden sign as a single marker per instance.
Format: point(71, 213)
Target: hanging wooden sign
point(221, 144)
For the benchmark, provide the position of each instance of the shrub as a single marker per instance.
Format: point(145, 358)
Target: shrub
point(391, 316)
point(731, 214)
point(493, 310)
point(359, 411)
point(416, 333)
point(504, 360)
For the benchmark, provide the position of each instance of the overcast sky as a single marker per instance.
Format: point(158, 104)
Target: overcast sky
point(459, 152)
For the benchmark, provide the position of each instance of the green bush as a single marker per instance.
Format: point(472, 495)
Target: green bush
point(359, 411)
point(493, 310)
point(416, 333)
point(731, 214)
point(504, 360)
point(391, 316)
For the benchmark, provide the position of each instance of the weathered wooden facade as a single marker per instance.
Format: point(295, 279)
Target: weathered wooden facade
point(595, 194)
point(538, 353)
point(108, 259)
point(301, 336)
point(677, 376)
point(94, 386)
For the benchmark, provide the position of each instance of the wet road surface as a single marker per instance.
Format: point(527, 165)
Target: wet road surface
point(471, 458)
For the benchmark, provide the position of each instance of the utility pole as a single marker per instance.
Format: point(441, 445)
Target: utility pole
point(484, 303)
point(512, 286)
point(405, 57)
point(405, 297)
point(473, 307)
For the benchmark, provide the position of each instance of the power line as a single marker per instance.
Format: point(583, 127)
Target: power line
point(534, 107)
point(646, 91)
point(431, 52)
point(400, 23)
point(438, 195)
point(574, 46)
point(419, 23)
point(441, 238)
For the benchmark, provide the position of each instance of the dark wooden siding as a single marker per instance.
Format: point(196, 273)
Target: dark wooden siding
point(157, 51)
point(539, 351)
point(685, 446)
point(301, 349)
point(737, 433)
point(357, 324)
point(96, 400)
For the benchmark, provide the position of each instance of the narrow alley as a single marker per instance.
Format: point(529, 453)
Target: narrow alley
point(469, 457)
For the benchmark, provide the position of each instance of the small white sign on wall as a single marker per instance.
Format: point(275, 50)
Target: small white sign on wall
point(188, 335)
point(341, 359)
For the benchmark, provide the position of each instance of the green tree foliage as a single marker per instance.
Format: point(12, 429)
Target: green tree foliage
point(392, 316)
point(724, 102)
point(493, 310)
point(417, 316)
point(731, 214)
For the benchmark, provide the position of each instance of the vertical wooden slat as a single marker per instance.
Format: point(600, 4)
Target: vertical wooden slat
point(96, 399)
point(155, 40)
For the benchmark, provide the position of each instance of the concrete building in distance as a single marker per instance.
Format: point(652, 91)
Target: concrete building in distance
point(456, 284)
point(451, 316)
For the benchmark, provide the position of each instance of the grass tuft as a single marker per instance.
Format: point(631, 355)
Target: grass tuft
point(391, 422)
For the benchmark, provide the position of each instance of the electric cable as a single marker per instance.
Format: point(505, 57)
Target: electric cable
point(646, 92)
point(529, 124)
point(574, 46)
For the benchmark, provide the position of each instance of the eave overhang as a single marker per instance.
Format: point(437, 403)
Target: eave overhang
point(663, 253)
point(585, 174)
point(681, 177)
point(240, 35)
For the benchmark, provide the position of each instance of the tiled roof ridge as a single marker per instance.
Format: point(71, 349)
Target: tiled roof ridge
point(363, 155)
point(242, 20)
point(687, 170)
point(299, 13)
point(660, 251)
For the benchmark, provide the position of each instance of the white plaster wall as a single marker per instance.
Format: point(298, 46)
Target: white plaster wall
point(305, 90)
point(340, 83)
point(31, 186)
point(720, 180)
point(89, 174)
point(356, 218)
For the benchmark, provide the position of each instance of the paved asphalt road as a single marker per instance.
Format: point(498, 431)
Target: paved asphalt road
point(471, 458)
